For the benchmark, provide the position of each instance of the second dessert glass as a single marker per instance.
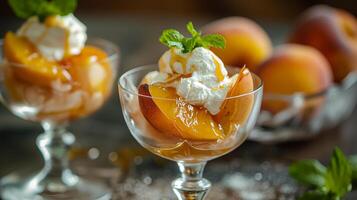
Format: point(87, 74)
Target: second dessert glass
point(55, 105)
point(192, 154)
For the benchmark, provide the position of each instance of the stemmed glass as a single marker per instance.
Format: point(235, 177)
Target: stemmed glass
point(191, 155)
point(55, 106)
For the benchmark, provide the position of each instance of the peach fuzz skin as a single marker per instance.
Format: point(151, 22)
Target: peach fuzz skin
point(334, 33)
point(294, 68)
point(247, 44)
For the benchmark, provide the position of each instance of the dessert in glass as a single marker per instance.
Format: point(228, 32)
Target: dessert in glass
point(189, 108)
point(50, 73)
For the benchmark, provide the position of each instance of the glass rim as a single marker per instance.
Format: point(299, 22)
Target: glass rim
point(143, 67)
point(111, 56)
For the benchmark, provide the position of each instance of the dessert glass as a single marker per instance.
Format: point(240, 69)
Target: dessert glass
point(55, 107)
point(191, 155)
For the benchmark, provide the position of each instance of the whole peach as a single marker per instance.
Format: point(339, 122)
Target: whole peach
point(246, 42)
point(291, 69)
point(334, 33)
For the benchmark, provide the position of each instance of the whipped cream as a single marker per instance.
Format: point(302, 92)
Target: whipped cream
point(57, 37)
point(208, 84)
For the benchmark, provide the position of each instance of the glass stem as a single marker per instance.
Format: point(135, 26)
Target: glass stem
point(54, 144)
point(191, 185)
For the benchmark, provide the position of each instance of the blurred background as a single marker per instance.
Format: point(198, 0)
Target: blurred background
point(277, 10)
point(135, 27)
point(137, 24)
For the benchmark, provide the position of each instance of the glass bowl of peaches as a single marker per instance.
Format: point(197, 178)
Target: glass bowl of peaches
point(310, 81)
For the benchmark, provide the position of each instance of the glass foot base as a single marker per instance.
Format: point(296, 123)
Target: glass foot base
point(13, 188)
point(192, 190)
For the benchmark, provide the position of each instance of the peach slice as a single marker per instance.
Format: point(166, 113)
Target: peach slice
point(32, 67)
point(167, 112)
point(235, 111)
point(91, 70)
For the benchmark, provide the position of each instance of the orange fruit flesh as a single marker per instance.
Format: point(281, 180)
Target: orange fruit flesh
point(167, 112)
point(235, 111)
point(170, 114)
point(89, 72)
point(32, 67)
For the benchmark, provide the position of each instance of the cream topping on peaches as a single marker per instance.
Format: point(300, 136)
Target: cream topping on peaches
point(57, 37)
point(202, 78)
point(190, 74)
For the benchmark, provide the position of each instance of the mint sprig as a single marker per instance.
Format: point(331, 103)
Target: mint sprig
point(338, 177)
point(328, 183)
point(174, 39)
point(313, 172)
point(42, 8)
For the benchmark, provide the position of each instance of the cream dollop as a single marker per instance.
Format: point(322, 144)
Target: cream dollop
point(208, 83)
point(56, 37)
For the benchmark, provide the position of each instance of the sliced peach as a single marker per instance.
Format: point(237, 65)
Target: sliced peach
point(167, 112)
point(235, 111)
point(91, 70)
point(32, 67)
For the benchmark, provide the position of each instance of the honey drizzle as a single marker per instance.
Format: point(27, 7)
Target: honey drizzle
point(219, 73)
point(177, 58)
point(66, 52)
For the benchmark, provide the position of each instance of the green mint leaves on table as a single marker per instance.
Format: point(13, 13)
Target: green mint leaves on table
point(328, 183)
point(42, 8)
point(173, 38)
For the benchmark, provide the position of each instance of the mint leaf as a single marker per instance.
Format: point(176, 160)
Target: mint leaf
point(353, 163)
point(191, 29)
point(189, 44)
point(173, 38)
point(42, 8)
point(331, 183)
point(25, 8)
point(66, 7)
point(338, 174)
point(214, 40)
point(308, 172)
point(46, 9)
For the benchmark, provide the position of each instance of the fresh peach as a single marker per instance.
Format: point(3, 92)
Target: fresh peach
point(334, 33)
point(167, 112)
point(246, 42)
point(28, 64)
point(291, 69)
point(235, 111)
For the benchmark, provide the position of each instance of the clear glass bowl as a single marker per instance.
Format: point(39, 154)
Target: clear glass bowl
point(306, 116)
point(55, 102)
point(191, 148)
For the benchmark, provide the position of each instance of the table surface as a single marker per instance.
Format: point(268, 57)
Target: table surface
point(105, 131)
